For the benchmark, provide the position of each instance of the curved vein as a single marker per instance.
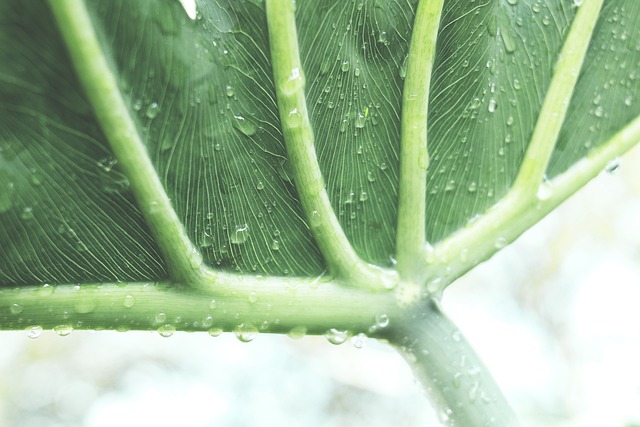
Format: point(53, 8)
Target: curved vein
point(340, 256)
point(521, 207)
point(557, 100)
point(414, 155)
point(101, 86)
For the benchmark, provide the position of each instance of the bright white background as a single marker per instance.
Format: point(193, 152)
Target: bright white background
point(555, 316)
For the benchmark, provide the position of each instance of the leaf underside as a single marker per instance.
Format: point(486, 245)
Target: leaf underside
point(203, 97)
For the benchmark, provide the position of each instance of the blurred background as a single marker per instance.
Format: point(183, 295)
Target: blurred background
point(555, 316)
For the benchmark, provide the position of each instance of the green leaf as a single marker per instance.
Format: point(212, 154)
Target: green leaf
point(202, 95)
point(260, 165)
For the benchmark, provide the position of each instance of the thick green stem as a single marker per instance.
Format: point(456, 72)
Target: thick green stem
point(100, 84)
point(414, 156)
point(457, 381)
point(340, 256)
point(272, 305)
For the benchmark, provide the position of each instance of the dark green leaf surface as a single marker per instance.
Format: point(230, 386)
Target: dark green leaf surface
point(66, 214)
point(203, 97)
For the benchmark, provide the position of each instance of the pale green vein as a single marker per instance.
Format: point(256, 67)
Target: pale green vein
point(341, 258)
point(414, 155)
point(276, 306)
point(95, 73)
point(498, 234)
point(504, 221)
point(557, 100)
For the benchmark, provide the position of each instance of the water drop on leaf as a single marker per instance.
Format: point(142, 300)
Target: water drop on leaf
point(16, 308)
point(359, 340)
point(129, 301)
point(215, 332)
point(152, 110)
point(166, 330)
point(245, 126)
point(240, 234)
point(245, 332)
point(297, 332)
point(337, 337)
point(34, 332)
point(63, 330)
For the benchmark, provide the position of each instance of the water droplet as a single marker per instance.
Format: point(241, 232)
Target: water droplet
point(297, 332)
point(493, 105)
point(34, 332)
point(403, 67)
point(16, 308)
point(245, 332)
point(456, 380)
point(229, 91)
point(316, 220)
point(294, 83)
point(344, 124)
point(613, 166)
point(345, 66)
point(450, 186)
point(359, 340)
point(360, 120)
point(500, 243)
point(240, 234)
point(260, 185)
point(599, 111)
point(512, 2)
point(207, 321)
point(370, 176)
point(544, 191)
point(253, 297)
point(337, 337)
point(166, 330)
point(473, 391)
point(363, 196)
point(137, 105)
point(577, 3)
point(382, 320)
point(245, 126)
point(628, 101)
point(63, 330)
point(161, 317)
point(294, 119)
point(516, 84)
point(129, 301)
point(275, 245)
point(85, 302)
point(213, 304)
point(472, 187)
point(215, 332)
point(152, 110)
point(456, 336)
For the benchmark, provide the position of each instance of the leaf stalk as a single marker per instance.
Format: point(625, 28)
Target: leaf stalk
point(414, 155)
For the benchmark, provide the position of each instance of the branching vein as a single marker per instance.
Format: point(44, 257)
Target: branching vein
point(523, 205)
point(343, 261)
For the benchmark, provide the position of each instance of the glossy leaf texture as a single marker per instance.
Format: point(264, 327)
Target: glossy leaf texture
point(202, 94)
